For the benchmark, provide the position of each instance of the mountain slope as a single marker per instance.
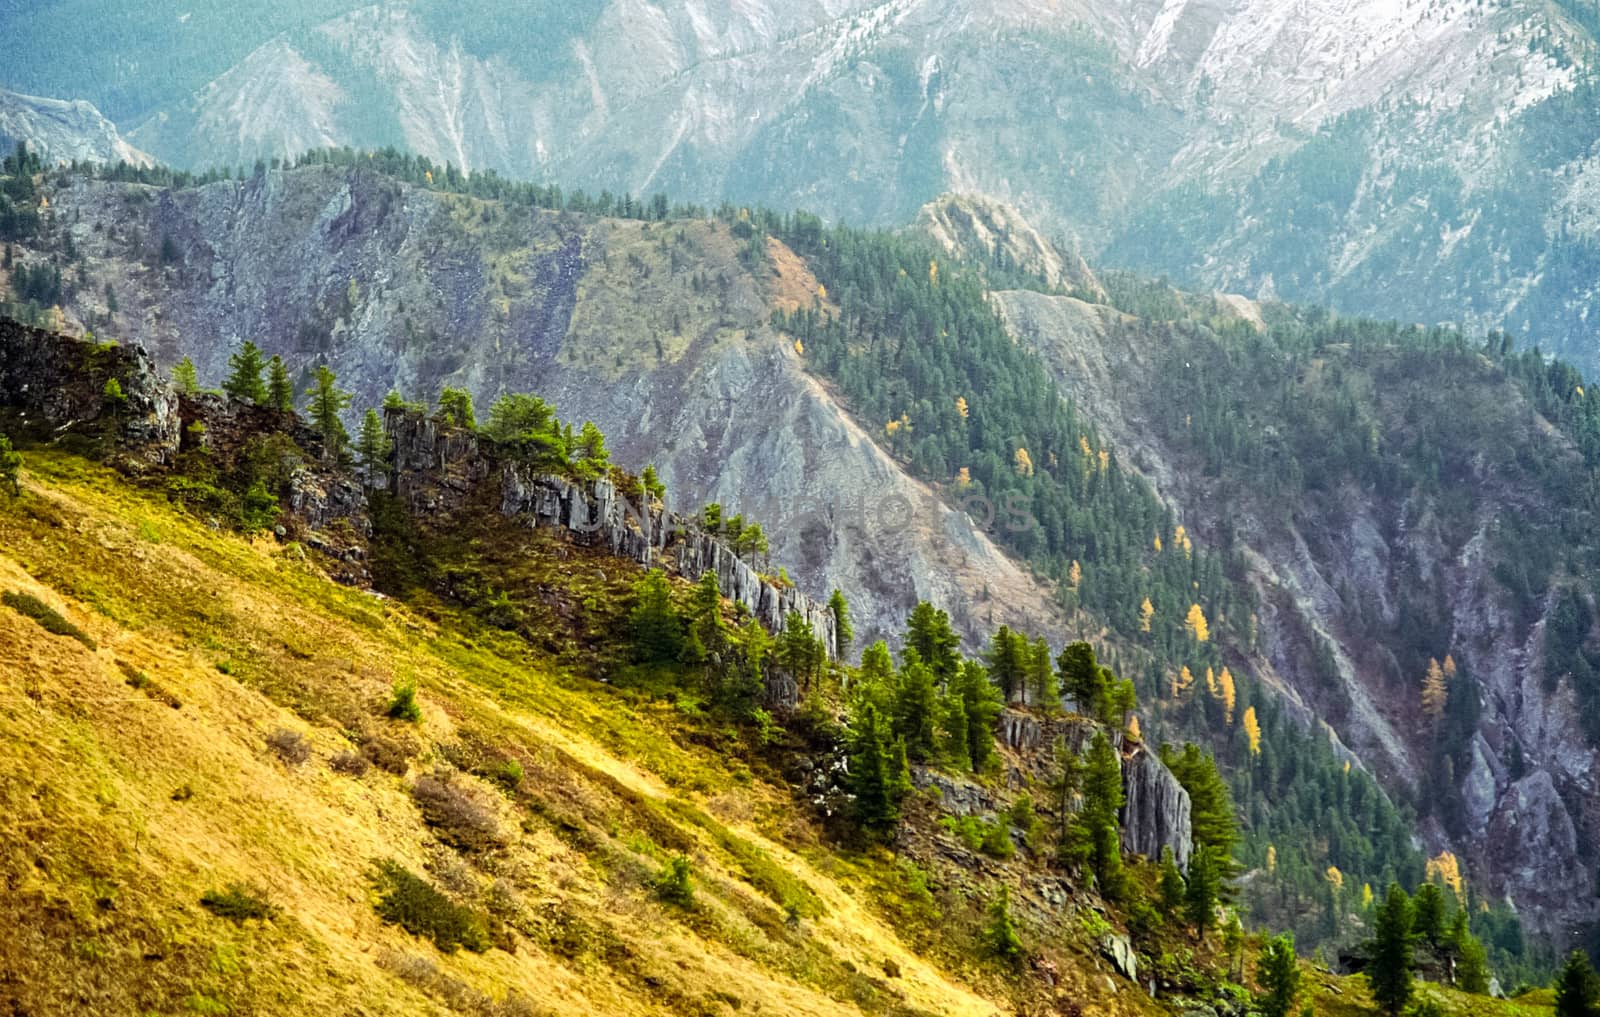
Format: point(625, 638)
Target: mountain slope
point(658, 331)
point(1427, 161)
point(67, 131)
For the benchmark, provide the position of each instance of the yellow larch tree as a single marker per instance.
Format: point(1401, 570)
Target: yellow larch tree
point(1445, 869)
point(1366, 896)
point(1252, 730)
point(1272, 858)
point(1134, 733)
point(1435, 691)
point(964, 477)
point(933, 273)
point(1074, 574)
point(1195, 622)
point(1158, 543)
point(961, 406)
point(1105, 460)
point(1335, 879)
point(1211, 682)
point(1227, 693)
point(1083, 446)
point(800, 347)
point(1024, 462)
point(1147, 613)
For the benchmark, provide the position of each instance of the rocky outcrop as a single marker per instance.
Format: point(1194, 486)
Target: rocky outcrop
point(63, 130)
point(53, 385)
point(440, 470)
point(1156, 809)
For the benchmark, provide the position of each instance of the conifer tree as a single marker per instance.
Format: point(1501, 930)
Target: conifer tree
point(1000, 935)
point(1576, 987)
point(1427, 909)
point(1200, 891)
point(916, 704)
point(1171, 887)
point(244, 378)
point(929, 633)
point(185, 378)
point(1042, 685)
point(327, 401)
point(591, 458)
point(455, 408)
point(1102, 803)
point(981, 702)
point(799, 651)
point(1009, 659)
point(1472, 966)
point(373, 446)
point(653, 623)
point(878, 775)
point(705, 613)
point(1279, 975)
point(953, 731)
point(651, 484)
point(280, 391)
point(843, 633)
point(1389, 969)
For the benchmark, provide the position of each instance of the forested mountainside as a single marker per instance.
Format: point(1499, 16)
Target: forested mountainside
point(559, 757)
point(1427, 161)
point(771, 347)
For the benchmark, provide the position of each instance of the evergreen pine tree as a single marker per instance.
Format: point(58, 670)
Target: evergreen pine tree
point(1042, 686)
point(185, 378)
point(1102, 802)
point(244, 380)
point(455, 408)
point(916, 705)
point(1172, 888)
point(878, 776)
point(981, 702)
point(1389, 969)
point(1000, 935)
point(327, 401)
point(591, 458)
point(929, 633)
point(373, 446)
point(1427, 910)
point(1200, 892)
point(653, 623)
point(1009, 659)
point(280, 391)
point(1279, 975)
point(1576, 987)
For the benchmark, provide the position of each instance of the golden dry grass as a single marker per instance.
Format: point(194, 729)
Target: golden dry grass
point(104, 864)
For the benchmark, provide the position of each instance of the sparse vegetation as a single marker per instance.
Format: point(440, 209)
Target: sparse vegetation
point(403, 703)
point(238, 902)
point(48, 617)
point(290, 746)
point(411, 902)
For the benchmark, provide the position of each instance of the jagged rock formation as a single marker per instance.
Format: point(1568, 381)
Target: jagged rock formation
point(55, 384)
point(1335, 566)
point(64, 131)
point(437, 469)
point(991, 233)
point(50, 385)
point(1155, 810)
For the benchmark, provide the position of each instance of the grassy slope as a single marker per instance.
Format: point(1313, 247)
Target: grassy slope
point(104, 869)
point(104, 866)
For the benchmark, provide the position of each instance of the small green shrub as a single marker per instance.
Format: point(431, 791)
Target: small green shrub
point(675, 883)
point(403, 703)
point(10, 468)
point(239, 902)
point(997, 841)
point(414, 904)
point(509, 775)
point(47, 617)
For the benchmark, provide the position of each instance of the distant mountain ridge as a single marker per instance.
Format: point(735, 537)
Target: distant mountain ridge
point(68, 131)
point(1421, 161)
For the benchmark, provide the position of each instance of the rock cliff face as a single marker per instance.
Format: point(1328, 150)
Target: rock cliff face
point(65, 131)
point(1155, 810)
point(437, 469)
point(51, 385)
